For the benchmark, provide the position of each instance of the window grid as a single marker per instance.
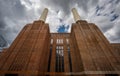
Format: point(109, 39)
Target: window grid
point(59, 59)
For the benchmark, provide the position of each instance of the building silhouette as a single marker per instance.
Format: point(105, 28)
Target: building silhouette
point(84, 51)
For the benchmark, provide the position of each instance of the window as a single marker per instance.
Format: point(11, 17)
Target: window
point(51, 41)
point(59, 41)
point(67, 41)
point(69, 57)
point(59, 59)
point(49, 61)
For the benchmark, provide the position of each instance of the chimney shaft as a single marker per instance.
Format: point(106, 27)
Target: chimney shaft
point(44, 15)
point(75, 14)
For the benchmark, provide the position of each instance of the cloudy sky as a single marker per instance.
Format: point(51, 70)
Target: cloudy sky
point(14, 14)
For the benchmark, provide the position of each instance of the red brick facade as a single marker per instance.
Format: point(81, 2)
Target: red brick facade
point(84, 51)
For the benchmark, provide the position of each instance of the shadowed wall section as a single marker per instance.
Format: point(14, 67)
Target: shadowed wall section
point(95, 51)
point(29, 52)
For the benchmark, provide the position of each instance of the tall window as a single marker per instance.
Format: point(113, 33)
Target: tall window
point(59, 59)
point(51, 41)
point(69, 57)
point(49, 58)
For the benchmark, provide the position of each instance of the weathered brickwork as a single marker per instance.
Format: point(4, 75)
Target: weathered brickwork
point(84, 51)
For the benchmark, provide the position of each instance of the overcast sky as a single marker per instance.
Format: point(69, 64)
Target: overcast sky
point(14, 14)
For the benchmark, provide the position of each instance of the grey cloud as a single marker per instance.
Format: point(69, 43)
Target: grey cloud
point(12, 8)
point(108, 19)
point(2, 24)
point(107, 27)
point(62, 5)
point(14, 15)
point(86, 4)
point(66, 5)
point(116, 31)
point(10, 13)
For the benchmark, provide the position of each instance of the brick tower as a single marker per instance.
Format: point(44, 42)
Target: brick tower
point(84, 51)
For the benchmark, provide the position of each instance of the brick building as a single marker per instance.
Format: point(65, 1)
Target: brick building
point(84, 51)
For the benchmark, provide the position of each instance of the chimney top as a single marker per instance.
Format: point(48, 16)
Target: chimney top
point(44, 15)
point(75, 14)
